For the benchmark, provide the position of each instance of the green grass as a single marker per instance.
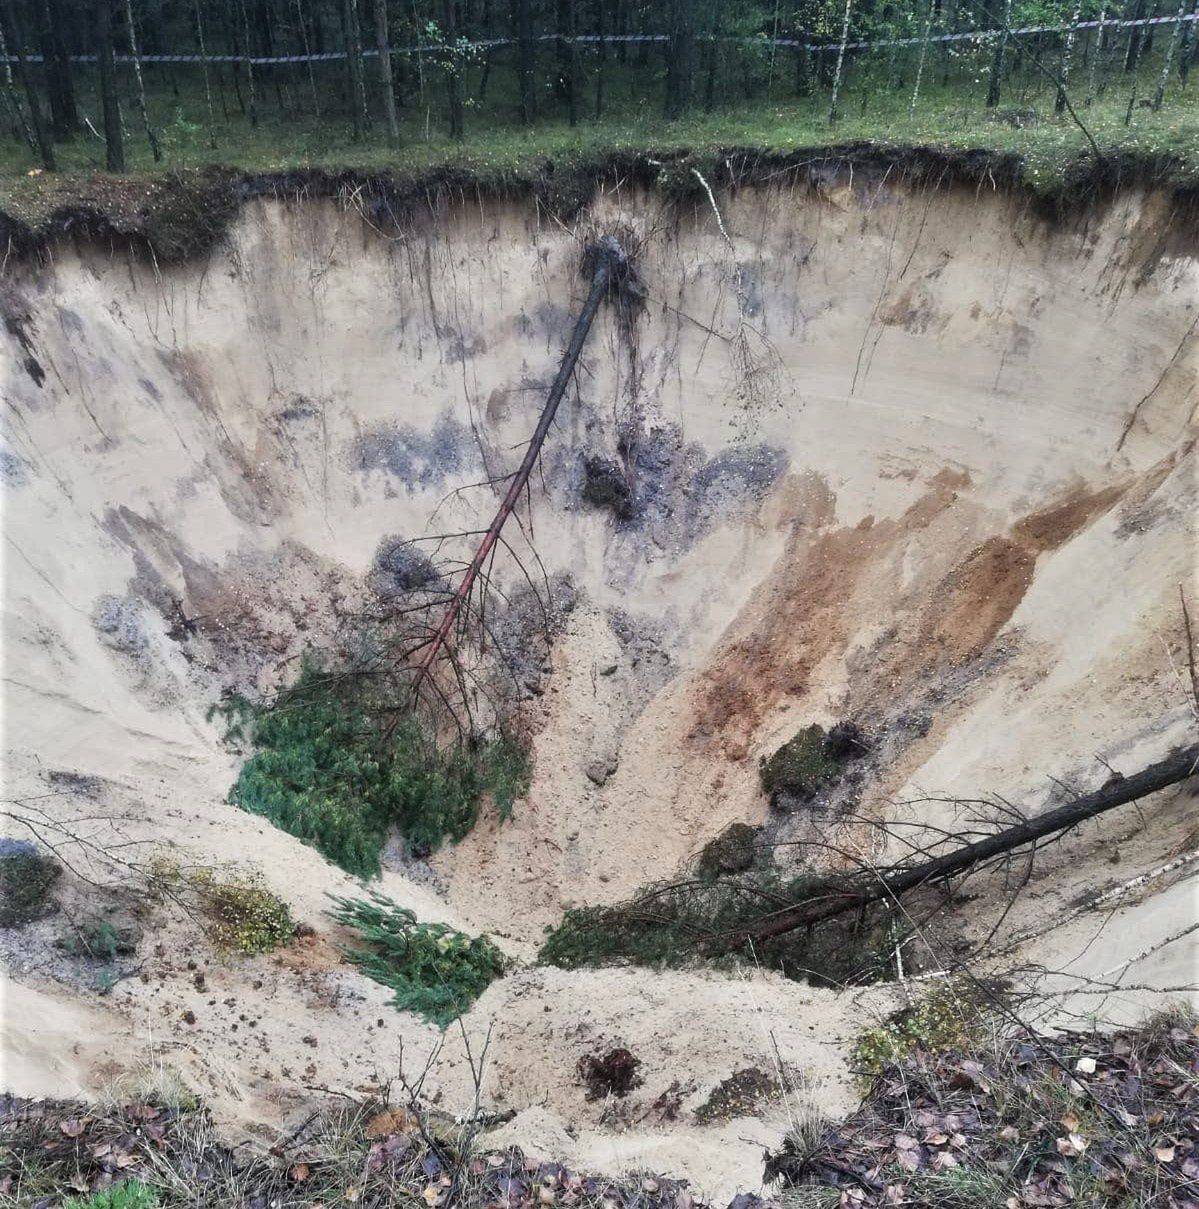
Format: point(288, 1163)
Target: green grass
point(325, 770)
point(131, 1194)
point(434, 970)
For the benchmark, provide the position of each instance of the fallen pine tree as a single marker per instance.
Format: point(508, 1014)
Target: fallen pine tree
point(761, 913)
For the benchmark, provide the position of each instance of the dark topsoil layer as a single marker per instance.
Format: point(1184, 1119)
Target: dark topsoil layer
point(178, 215)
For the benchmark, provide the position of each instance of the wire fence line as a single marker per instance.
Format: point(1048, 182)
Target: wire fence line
point(970, 35)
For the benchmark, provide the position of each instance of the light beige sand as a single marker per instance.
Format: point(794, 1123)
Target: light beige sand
point(987, 510)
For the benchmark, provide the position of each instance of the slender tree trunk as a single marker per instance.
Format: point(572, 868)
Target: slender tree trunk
point(601, 30)
point(832, 109)
point(303, 26)
point(12, 100)
point(1135, 38)
point(1093, 66)
point(204, 65)
point(41, 131)
point(1190, 46)
point(681, 52)
point(453, 69)
point(56, 65)
point(251, 85)
point(522, 20)
point(1059, 103)
point(995, 80)
point(114, 140)
point(572, 64)
point(354, 60)
point(1159, 94)
point(383, 44)
point(928, 26)
point(715, 28)
point(135, 59)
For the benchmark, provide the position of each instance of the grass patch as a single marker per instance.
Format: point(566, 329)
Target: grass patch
point(324, 770)
point(27, 876)
point(130, 1194)
point(434, 970)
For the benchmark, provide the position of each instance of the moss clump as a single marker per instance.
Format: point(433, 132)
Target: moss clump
point(325, 769)
point(732, 851)
point(950, 1016)
point(26, 878)
point(801, 768)
point(434, 970)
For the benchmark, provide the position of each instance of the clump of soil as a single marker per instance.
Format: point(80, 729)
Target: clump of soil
point(740, 1095)
point(610, 1074)
point(605, 486)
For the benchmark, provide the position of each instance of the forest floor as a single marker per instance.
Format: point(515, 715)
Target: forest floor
point(952, 117)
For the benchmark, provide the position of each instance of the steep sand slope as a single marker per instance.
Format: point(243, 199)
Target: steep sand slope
point(956, 502)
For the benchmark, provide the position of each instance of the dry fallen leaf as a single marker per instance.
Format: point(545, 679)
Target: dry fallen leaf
point(1071, 1146)
point(300, 1172)
point(1164, 1154)
point(1085, 1066)
point(1070, 1122)
point(72, 1127)
point(431, 1195)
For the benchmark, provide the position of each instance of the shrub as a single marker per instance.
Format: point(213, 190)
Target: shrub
point(434, 970)
point(244, 917)
point(27, 876)
point(130, 1194)
point(324, 770)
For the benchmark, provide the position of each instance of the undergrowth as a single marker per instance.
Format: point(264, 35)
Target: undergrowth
point(325, 770)
point(434, 970)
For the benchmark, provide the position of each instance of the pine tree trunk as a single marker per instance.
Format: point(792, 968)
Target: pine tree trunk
point(453, 69)
point(383, 44)
point(114, 141)
point(60, 84)
point(832, 109)
point(41, 131)
point(522, 20)
point(995, 79)
point(679, 67)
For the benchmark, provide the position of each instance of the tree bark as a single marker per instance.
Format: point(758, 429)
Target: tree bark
point(383, 44)
point(354, 57)
point(114, 140)
point(41, 132)
point(1162, 80)
point(60, 84)
point(890, 885)
point(522, 21)
point(682, 48)
point(151, 137)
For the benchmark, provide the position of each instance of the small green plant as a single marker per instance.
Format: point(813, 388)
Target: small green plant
point(27, 876)
point(434, 970)
point(950, 1016)
point(325, 769)
point(130, 1194)
point(801, 767)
